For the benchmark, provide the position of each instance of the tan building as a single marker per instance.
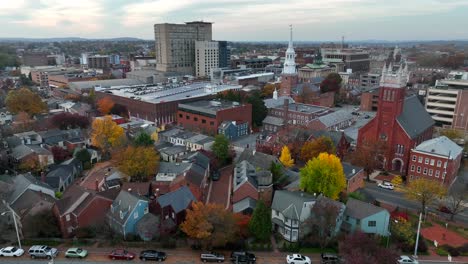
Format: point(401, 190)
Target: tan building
point(175, 45)
point(356, 59)
point(447, 103)
point(206, 57)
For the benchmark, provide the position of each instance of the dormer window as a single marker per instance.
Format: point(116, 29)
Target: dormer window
point(121, 214)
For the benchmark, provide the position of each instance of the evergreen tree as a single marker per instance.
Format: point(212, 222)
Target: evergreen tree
point(260, 224)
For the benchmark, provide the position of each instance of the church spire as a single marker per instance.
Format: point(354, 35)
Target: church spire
point(290, 45)
point(289, 62)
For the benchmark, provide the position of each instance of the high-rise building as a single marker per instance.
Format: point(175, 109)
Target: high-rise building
point(175, 45)
point(35, 59)
point(356, 59)
point(224, 54)
point(98, 62)
point(289, 76)
point(206, 57)
point(447, 102)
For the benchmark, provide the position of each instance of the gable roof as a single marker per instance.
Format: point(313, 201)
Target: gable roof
point(348, 170)
point(29, 200)
point(441, 146)
point(73, 197)
point(257, 159)
point(359, 209)
point(125, 202)
point(335, 118)
point(414, 119)
point(179, 199)
point(141, 188)
point(335, 136)
point(22, 183)
point(244, 204)
point(290, 204)
point(60, 172)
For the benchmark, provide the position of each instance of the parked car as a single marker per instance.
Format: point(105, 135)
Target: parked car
point(215, 176)
point(212, 257)
point(153, 255)
point(329, 258)
point(298, 259)
point(386, 185)
point(444, 209)
point(40, 251)
point(11, 252)
point(243, 257)
point(121, 254)
point(76, 253)
point(407, 260)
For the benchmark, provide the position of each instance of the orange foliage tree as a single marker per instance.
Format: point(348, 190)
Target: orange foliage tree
point(210, 225)
point(312, 149)
point(105, 105)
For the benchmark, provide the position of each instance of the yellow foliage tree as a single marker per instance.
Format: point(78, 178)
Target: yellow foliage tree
point(424, 191)
point(106, 134)
point(139, 163)
point(286, 158)
point(25, 100)
point(323, 174)
point(397, 180)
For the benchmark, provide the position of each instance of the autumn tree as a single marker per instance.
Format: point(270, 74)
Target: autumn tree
point(360, 248)
point(453, 134)
point(322, 224)
point(25, 100)
point(331, 83)
point(260, 224)
point(143, 139)
point(105, 105)
point(424, 191)
point(268, 89)
point(220, 148)
point(69, 121)
point(285, 157)
point(120, 110)
point(403, 231)
point(313, 148)
point(277, 172)
point(60, 154)
point(210, 225)
point(31, 164)
point(139, 163)
point(397, 181)
point(323, 174)
point(106, 134)
point(367, 155)
point(242, 222)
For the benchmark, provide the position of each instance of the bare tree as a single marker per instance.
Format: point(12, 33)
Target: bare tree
point(456, 202)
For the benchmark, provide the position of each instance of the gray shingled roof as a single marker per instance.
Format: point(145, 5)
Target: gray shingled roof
point(290, 204)
point(414, 119)
point(171, 167)
point(179, 199)
point(273, 103)
point(359, 209)
point(124, 202)
point(348, 170)
point(22, 183)
point(335, 118)
point(173, 150)
point(273, 120)
point(244, 204)
point(441, 146)
point(258, 159)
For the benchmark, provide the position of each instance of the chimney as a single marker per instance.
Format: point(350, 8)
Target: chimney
point(96, 185)
point(354, 171)
point(43, 177)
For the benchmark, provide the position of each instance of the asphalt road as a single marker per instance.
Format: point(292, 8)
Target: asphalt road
point(398, 199)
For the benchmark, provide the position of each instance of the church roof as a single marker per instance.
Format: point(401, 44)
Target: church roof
point(414, 119)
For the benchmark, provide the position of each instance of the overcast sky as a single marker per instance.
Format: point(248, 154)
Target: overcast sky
point(313, 20)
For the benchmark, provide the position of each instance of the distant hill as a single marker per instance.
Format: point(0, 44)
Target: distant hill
point(66, 39)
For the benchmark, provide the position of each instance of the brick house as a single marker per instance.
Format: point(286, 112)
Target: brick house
point(80, 208)
point(354, 177)
point(206, 116)
point(250, 185)
point(436, 159)
point(172, 205)
point(401, 123)
point(336, 121)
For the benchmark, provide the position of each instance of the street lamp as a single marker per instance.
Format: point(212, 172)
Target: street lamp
point(10, 210)
point(417, 236)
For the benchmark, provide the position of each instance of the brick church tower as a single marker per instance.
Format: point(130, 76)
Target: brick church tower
point(289, 78)
point(400, 124)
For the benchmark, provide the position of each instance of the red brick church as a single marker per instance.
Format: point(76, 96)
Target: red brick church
point(401, 122)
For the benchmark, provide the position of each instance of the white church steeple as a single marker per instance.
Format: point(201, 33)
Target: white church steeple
point(289, 62)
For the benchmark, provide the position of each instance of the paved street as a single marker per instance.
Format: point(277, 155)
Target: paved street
point(398, 199)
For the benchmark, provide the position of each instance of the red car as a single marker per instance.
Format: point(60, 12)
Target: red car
point(121, 254)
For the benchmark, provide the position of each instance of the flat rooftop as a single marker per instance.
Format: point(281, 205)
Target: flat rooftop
point(167, 93)
point(209, 107)
point(304, 108)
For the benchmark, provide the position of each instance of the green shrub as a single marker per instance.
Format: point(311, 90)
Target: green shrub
point(441, 251)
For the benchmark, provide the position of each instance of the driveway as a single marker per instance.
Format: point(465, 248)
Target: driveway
point(220, 190)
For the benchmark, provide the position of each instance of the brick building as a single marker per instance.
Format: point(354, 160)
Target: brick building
point(354, 177)
point(206, 116)
point(436, 159)
point(369, 100)
point(400, 124)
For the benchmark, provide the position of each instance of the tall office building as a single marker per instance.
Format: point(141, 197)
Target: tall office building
point(224, 54)
point(98, 62)
point(206, 57)
point(175, 45)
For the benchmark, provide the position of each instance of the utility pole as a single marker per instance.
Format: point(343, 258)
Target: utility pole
point(417, 237)
point(14, 221)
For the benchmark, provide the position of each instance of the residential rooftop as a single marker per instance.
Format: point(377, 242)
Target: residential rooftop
point(209, 107)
